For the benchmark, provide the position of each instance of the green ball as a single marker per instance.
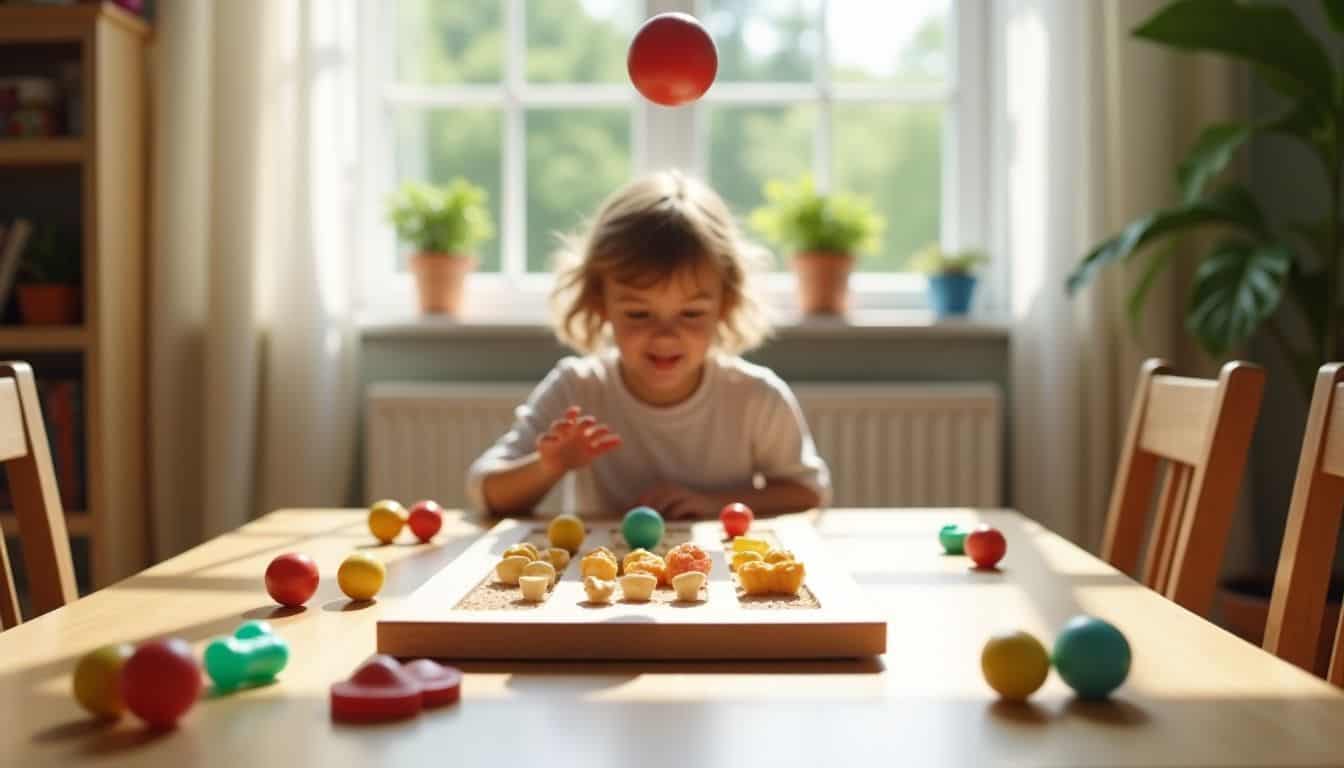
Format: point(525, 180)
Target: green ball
point(1092, 656)
point(953, 539)
point(643, 528)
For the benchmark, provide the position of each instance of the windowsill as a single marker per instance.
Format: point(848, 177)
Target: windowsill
point(866, 323)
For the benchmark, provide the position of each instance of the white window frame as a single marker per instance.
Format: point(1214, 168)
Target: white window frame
point(660, 138)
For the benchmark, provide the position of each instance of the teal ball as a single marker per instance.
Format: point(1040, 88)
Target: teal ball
point(1092, 656)
point(643, 528)
point(953, 539)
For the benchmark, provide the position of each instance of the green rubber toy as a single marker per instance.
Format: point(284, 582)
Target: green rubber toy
point(953, 539)
point(254, 655)
point(643, 528)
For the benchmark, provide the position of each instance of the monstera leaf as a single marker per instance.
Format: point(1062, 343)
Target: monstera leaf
point(1231, 205)
point(1269, 36)
point(1238, 286)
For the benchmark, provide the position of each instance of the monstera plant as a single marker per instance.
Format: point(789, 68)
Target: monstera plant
point(1258, 273)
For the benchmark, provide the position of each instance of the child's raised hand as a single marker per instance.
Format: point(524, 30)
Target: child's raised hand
point(574, 441)
point(677, 502)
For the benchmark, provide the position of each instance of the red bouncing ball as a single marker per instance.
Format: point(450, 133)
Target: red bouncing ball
point(439, 685)
point(161, 681)
point(672, 59)
point(425, 519)
point(379, 690)
point(986, 546)
point(291, 579)
point(736, 519)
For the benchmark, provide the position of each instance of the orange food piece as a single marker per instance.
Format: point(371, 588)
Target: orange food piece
point(687, 557)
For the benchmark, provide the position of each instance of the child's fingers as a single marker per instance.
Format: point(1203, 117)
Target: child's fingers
point(547, 440)
point(572, 413)
point(603, 444)
point(595, 431)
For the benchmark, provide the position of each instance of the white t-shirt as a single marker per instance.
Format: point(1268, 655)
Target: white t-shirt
point(742, 421)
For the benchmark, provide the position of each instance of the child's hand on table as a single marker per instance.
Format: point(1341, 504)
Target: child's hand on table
point(677, 502)
point(574, 441)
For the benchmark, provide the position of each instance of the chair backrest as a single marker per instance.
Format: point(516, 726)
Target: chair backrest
point(1308, 555)
point(1196, 434)
point(37, 505)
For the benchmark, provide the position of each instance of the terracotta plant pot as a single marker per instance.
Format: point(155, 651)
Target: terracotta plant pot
point(439, 278)
point(823, 281)
point(49, 303)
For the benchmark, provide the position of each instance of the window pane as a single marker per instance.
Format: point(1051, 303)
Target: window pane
point(437, 145)
point(448, 42)
point(903, 42)
point(764, 40)
point(749, 146)
point(575, 158)
point(893, 155)
point(579, 41)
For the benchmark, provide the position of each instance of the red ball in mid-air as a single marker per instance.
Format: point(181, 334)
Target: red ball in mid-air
point(736, 519)
point(672, 59)
point(425, 519)
point(986, 546)
point(291, 579)
point(161, 681)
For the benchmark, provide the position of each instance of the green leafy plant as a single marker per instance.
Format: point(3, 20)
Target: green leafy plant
point(450, 219)
point(933, 260)
point(796, 216)
point(47, 259)
point(1259, 273)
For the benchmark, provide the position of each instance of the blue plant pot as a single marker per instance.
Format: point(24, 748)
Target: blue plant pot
point(951, 294)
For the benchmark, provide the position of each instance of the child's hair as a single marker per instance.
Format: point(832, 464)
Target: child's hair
point(655, 228)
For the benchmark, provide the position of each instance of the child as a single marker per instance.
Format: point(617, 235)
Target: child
point(661, 409)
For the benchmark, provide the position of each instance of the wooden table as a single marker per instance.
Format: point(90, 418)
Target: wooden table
point(1196, 694)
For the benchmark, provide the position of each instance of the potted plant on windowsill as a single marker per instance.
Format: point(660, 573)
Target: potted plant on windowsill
point(825, 231)
point(48, 282)
point(950, 276)
point(443, 225)
point(1277, 275)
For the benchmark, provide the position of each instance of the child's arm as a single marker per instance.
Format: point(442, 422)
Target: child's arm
point(571, 442)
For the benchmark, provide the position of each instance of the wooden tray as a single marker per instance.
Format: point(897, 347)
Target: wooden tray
point(462, 613)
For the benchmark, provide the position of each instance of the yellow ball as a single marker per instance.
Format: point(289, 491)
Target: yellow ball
point(566, 532)
point(1015, 664)
point(97, 680)
point(361, 576)
point(386, 519)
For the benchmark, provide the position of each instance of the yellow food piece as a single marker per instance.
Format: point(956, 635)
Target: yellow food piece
point(644, 561)
point(778, 556)
point(539, 568)
point(510, 568)
point(524, 549)
point(747, 544)
point(755, 577)
point(747, 556)
point(557, 557)
point(599, 565)
point(761, 578)
point(599, 590)
point(787, 577)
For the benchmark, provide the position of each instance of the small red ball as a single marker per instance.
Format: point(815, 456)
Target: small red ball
point(986, 546)
point(736, 519)
point(291, 579)
point(425, 519)
point(672, 59)
point(161, 681)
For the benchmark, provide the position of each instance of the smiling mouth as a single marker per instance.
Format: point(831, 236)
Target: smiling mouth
point(664, 362)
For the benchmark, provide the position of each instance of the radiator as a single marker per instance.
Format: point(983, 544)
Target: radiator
point(887, 445)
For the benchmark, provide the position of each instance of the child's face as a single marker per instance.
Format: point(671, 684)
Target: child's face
point(664, 331)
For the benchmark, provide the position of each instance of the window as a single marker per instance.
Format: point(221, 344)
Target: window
point(530, 99)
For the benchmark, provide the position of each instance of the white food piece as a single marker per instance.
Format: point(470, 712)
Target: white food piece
point(638, 587)
point(688, 585)
point(510, 568)
point(534, 587)
point(540, 568)
point(599, 590)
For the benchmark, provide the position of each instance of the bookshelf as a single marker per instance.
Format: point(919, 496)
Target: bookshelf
point(94, 183)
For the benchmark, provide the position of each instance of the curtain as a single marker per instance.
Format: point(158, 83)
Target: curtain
point(1088, 126)
point(252, 342)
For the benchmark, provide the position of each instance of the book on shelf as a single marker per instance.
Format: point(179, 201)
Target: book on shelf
point(11, 253)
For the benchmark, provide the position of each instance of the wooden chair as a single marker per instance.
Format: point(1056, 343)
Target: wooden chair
point(1293, 631)
point(1200, 430)
point(37, 505)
